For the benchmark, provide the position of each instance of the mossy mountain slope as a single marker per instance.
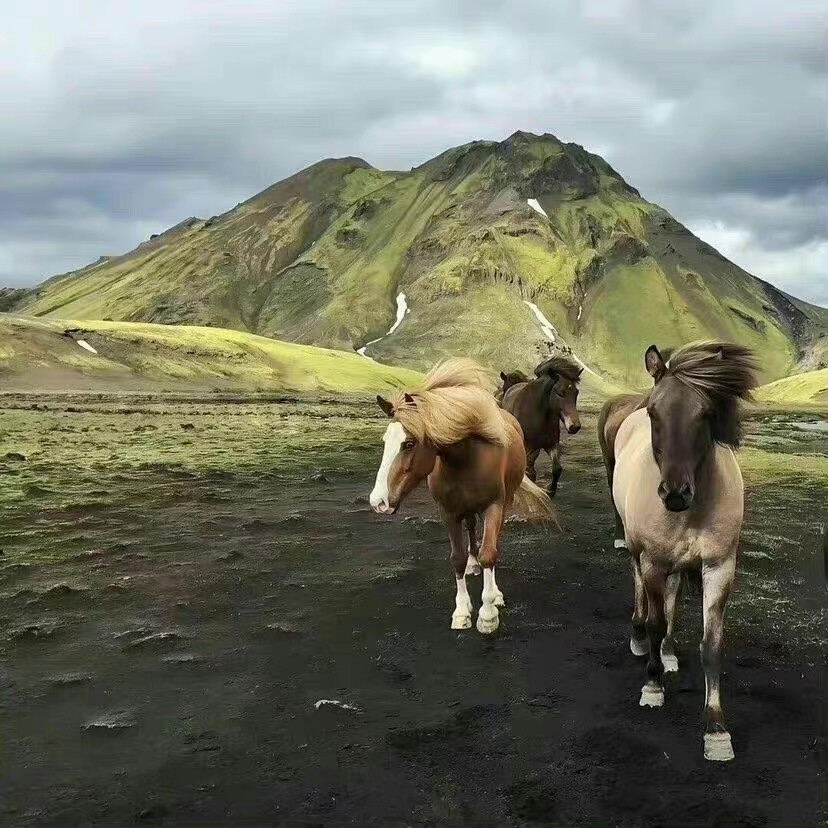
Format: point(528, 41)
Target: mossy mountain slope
point(503, 250)
point(89, 355)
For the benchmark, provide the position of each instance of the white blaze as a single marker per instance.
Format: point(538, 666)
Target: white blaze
point(86, 346)
point(394, 438)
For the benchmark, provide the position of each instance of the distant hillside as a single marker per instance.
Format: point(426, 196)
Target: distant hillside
point(810, 388)
point(108, 356)
point(502, 251)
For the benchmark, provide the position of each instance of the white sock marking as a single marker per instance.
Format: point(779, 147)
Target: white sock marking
point(461, 618)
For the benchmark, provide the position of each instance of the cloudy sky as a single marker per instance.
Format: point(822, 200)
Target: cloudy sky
point(120, 119)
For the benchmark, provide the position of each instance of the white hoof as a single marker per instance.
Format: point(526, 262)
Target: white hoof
point(651, 697)
point(488, 619)
point(718, 747)
point(472, 566)
point(670, 663)
point(499, 600)
point(639, 648)
point(460, 620)
point(619, 543)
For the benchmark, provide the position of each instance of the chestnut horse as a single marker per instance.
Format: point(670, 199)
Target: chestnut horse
point(679, 499)
point(451, 431)
point(540, 405)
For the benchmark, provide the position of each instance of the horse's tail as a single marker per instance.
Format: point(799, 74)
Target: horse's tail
point(534, 504)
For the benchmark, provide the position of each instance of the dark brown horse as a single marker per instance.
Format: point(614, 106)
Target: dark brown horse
point(679, 502)
point(451, 432)
point(540, 405)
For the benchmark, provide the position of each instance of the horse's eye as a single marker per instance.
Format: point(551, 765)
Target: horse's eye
point(409, 444)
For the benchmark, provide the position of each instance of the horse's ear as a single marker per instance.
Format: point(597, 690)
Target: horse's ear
point(503, 376)
point(408, 398)
point(385, 406)
point(654, 363)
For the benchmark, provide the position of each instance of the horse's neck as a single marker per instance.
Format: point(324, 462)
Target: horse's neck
point(458, 455)
point(551, 409)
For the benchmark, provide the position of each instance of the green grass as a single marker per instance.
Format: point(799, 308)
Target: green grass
point(810, 388)
point(139, 355)
point(762, 466)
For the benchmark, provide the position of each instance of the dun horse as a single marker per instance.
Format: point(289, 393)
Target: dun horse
point(451, 431)
point(679, 499)
point(540, 405)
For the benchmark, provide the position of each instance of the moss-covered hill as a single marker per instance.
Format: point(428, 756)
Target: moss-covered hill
point(809, 388)
point(107, 356)
point(474, 239)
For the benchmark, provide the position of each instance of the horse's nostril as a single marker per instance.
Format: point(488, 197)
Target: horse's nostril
point(574, 428)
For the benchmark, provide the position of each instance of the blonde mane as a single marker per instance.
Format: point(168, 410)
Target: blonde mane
point(453, 403)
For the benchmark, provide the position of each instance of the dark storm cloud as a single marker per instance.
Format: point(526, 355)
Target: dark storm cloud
point(119, 120)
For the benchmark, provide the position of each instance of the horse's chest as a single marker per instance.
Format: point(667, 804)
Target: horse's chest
point(462, 494)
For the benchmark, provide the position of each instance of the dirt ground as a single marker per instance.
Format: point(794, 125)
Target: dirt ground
point(182, 586)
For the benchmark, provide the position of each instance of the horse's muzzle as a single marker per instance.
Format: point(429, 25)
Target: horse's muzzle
point(381, 506)
point(573, 428)
point(676, 499)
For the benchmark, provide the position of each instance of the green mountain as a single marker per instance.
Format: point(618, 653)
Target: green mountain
point(502, 251)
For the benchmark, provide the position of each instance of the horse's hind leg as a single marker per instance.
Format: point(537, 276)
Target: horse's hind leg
point(472, 564)
point(655, 581)
point(668, 646)
point(488, 618)
point(717, 580)
point(531, 458)
point(557, 469)
point(639, 643)
point(461, 617)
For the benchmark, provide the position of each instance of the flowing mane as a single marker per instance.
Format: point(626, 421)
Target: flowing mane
point(453, 403)
point(722, 374)
point(559, 365)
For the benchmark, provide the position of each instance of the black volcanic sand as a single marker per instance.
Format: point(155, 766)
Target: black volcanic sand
point(183, 584)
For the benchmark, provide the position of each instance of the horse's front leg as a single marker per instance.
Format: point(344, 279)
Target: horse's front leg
point(461, 617)
point(472, 564)
point(557, 470)
point(668, 647)
point(488, 619)
point(717, 579)
point(639, 643)
point(655, 581)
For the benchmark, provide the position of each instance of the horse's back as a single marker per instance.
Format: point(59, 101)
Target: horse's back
point(612, 415)
point(528, 404)
point(511, 397)
point(515, 464)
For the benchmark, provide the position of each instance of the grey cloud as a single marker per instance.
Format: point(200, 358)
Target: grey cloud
point(126, 122)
